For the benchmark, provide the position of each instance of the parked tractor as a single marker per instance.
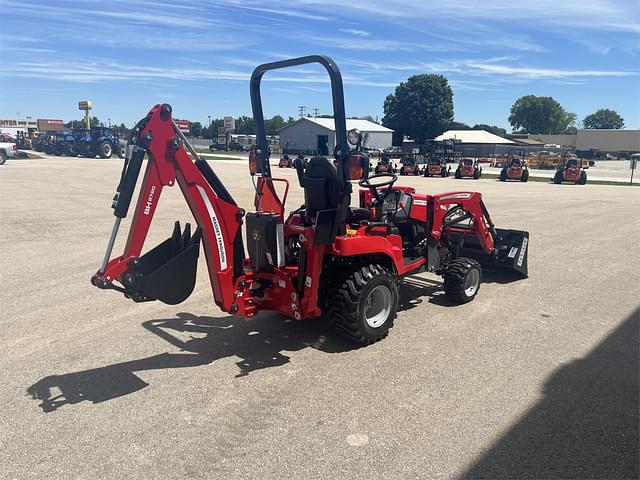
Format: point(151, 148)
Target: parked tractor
point(385, 165)
point(570, 170)
point(468, 168)
point(409, 165)
point(285, 162)
point(436, 167)
point(40, 141)
point(515, 168)
point(324, 258)
point(98, 141)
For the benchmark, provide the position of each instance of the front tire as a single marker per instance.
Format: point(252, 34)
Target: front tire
point(3, 158)
point(525, 176)
point(462, 280)
point(557, 178)
point(503, 176)
point(458, 174)
point(365, 305)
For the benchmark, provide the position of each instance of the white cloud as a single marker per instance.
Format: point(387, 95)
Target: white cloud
point(354, 31)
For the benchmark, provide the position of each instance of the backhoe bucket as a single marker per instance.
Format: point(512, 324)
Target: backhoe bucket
point(512, 250)
point(168, 271)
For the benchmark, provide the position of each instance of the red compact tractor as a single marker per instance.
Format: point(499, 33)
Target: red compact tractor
point(285, 162)
point(570, 170)
point(385, 165)
point(322, 258)
point(468, 168)
point(409, 165)
point(436, 167)
point(515, 168)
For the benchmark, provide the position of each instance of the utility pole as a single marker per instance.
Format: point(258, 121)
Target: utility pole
point(301, 110)
point(315, 113)
point(209, 116)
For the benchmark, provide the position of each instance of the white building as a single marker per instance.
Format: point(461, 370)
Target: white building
point(317, 136)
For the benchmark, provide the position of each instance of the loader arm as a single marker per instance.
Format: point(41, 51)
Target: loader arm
point(163, 273)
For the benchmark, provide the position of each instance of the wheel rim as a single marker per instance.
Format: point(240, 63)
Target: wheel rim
point(471, 282)
point(106, 150)
point(377, 306)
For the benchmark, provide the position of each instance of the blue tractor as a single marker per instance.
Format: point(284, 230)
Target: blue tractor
point(98, 141)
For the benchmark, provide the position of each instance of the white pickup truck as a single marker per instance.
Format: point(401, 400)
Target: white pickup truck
point(7, 150)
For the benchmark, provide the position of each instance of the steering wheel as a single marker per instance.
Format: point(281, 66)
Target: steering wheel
point(366, 183)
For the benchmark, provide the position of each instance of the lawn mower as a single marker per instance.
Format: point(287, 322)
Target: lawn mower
point(468, 168)
point(324, 258)
point(385, 165)
point(515, 168)
point(570, 170)
point(285, 162)
point(409, 165)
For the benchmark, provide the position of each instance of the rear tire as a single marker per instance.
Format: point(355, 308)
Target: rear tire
point(503, 175)
point(365, 305)
point(462, 280)
point(458, 175)
point(3, 158)
point(105, 150)
point(443, 173)
point(583, 178)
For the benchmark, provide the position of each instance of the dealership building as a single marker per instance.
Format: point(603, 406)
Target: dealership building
point(617, 142)
point(317, 136)
point(14, 125)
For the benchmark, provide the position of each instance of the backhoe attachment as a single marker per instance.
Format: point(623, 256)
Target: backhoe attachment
point(168, 271)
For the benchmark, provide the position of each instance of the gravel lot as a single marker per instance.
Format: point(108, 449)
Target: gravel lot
point(535, 378)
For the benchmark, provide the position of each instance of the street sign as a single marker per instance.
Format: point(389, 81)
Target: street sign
point(85, 105)
point(229, 124)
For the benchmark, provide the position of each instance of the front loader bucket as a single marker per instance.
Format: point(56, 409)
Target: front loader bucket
point(512, 251)
point(168, 271)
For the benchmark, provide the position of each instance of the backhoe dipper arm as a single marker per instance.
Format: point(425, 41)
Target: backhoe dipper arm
point(217, 215)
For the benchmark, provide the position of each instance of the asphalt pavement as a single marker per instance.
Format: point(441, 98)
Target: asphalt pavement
point(536, 378)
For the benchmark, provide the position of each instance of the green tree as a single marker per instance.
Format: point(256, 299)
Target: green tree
point(245, 125)
point(422, 108)
point(491, 128)
point(274, 124)
point(604, 119)
point(195, 129)
point(458, 126)
point(95, 122)
point(541, 115)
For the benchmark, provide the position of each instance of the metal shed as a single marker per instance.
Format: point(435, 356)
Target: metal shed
point(316, 136)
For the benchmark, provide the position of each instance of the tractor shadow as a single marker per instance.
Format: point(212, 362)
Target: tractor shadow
point(416, 289)
point(260, 343)
point(586, 424)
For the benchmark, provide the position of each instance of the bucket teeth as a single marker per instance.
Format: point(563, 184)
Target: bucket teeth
point(186, 237)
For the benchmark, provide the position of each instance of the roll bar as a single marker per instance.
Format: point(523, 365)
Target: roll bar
point(342, 148)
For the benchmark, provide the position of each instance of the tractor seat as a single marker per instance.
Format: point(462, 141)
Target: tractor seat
point(321, 184)
point(357, 215)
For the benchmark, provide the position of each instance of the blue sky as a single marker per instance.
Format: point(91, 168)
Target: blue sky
point(127, 55)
